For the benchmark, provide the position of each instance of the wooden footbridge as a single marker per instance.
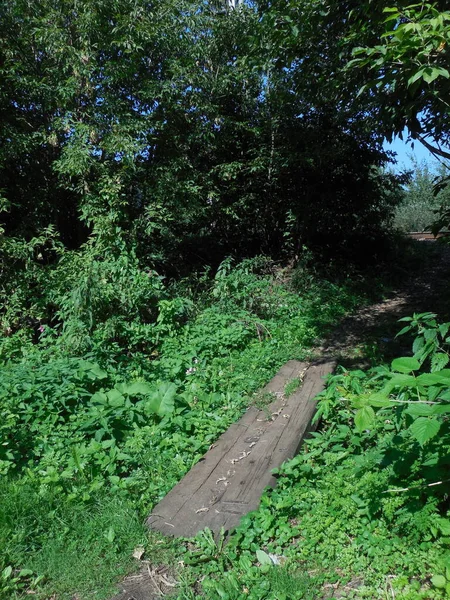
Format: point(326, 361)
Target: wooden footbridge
point(228, 481)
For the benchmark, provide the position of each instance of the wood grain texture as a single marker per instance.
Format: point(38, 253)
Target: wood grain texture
point(228, 481)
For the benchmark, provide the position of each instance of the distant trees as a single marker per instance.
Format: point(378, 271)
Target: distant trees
point(393, 61)
point(420, 205)
point(389, 63)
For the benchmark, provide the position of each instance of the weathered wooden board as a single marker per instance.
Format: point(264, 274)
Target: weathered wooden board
point(228, 481)
point(426, 235)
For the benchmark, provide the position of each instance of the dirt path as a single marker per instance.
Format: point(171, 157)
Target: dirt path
point(369, 329)
point(372, 329)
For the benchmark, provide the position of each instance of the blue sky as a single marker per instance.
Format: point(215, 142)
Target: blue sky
point(406, 154)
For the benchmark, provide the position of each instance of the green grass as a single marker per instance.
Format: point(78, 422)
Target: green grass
point(76, 547)
point(292, 386)
point(72, 508)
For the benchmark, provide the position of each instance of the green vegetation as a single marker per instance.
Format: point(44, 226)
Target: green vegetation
point(409, 61)
point(420, 205)
point(106, 436)
point(363, 510)
point(191, 194)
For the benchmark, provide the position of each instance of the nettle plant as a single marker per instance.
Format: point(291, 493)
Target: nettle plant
point(44, 405)
point(411, 399)
point(421, 383)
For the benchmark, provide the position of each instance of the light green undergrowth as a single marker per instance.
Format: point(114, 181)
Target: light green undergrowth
point(85, 456)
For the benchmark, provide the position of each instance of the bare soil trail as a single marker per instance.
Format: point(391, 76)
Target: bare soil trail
point(426, 289)
point(369, 329)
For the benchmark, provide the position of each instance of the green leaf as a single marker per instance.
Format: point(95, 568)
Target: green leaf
point(263, 558)
point(418, 344)
point(439, 581)
point(404, 330)
point(418, 75)
point(359, 50)
point(98, 372)
point(115, 398)
point(433, 392)
point(426, 350)
point(221, 591)
point(444, 526)
point(432, 73)
point(162, 401)
point(443, 329)
point(86, 365)
point(405, 364)
point(421, 410)
point(25, 573)
point(379, 401)
point(430, 335)
point(439, 361)
point(440, 378)
point(138, 387)
point(93, 369)
point(391, 18)
point(99, 398)
point(364, 418)
point(111, 535)
point(7, 572)
point(424, 429)
point(108, 444)
point(399, 381)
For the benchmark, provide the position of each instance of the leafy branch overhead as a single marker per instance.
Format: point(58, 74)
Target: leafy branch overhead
point(410, 67)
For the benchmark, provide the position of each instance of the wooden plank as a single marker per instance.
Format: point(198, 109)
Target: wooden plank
point(228, 481)
point(190, 484)
point(427, 235)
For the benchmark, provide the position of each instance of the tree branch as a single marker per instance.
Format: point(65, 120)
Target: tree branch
point(432, 149)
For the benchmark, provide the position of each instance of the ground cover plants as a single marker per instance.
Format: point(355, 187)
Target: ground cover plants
point(91, 440)
point(384, 445)
point(106, 436)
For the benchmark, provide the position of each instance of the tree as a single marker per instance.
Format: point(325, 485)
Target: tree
point(410, 69)
point(175, 134)
point(391, 64)
point(419, 205)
